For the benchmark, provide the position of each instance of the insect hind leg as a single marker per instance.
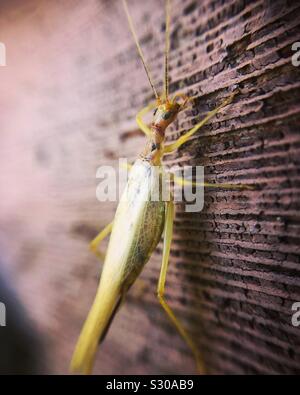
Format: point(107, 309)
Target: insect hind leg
point(161, 286)
point(183, 182)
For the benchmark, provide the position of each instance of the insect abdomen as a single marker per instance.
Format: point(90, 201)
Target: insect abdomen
point(138, 226)
point(137, 229)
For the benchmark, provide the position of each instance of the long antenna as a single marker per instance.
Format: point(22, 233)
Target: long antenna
point(167, 49)
point(139, 48)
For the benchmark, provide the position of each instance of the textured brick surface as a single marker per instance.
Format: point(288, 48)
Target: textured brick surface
point(68, 99)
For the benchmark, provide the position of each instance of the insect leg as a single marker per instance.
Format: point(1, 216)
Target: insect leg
point(161, 285)
point(126, 166)
point(97, 240)
point(181, 181)
point(139, 118)
point(183, 139)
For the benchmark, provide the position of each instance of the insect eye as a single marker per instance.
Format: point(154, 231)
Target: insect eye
point(167, 115)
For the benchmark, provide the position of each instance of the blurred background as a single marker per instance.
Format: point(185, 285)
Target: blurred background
point(69, 93)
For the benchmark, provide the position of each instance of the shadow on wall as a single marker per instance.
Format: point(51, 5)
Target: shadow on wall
point(21, 350)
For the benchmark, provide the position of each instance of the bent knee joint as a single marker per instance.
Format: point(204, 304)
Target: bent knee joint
point(160, 296)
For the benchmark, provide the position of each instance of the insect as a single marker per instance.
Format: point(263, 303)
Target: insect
point(139, 221)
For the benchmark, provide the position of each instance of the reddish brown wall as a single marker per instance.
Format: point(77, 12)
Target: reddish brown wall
point(69, 93)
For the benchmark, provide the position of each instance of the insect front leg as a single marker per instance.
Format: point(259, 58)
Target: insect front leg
point(139, 118)
point(97, 240)
point(168, 232)
point(183, 139)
